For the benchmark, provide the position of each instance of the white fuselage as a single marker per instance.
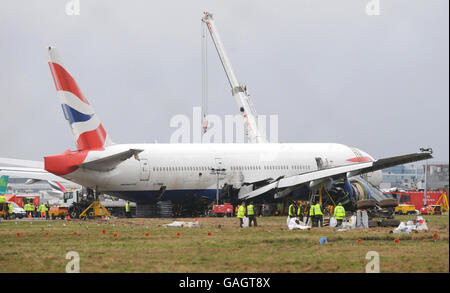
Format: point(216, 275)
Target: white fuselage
point(186, 168)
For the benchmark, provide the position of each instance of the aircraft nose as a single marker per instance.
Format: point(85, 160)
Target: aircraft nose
point(360, 156)
point(366, 156)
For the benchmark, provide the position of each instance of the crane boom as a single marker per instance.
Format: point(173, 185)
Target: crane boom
point(239, 91)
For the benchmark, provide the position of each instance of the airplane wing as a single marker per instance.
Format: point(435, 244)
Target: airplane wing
point(316, 177)
point(31, 173)
point(8, 162)
point(394, 161)
point(32, 170)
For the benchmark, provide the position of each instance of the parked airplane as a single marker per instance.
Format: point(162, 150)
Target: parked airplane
point(147, 173)
point(33, 172)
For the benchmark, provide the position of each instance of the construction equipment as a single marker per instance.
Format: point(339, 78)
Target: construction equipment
point(58, 212)
point(98, 210)
point(239, 91)
point(204, 80)
point(405, 209)
point(88, 206)
point(441, 207)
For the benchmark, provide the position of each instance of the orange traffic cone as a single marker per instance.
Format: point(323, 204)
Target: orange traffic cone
point(29, 216)
point(68, 217)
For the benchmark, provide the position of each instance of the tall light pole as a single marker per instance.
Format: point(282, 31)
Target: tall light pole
point(218, 172)
point(425, 188)
point(425, 174)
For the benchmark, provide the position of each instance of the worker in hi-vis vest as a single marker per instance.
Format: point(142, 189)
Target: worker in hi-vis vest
point(292, 211)
point(339, 214)
point(26, 207)
point(43, 210)
point(127, 209)
point(241, 214)
point(300, 210)
point(251, 215)
point(47, 210)
point(315, 213)
point(10, 210)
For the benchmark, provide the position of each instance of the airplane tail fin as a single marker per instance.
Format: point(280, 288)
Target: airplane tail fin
point(87, 130)
point(56, 185)
point(3, 184)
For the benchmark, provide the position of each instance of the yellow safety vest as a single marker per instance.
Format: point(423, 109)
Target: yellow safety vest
point(127, 207)
point(339, 212)
point(300, 210)
point(250, 211)
point(241, 212)
point(291, 210)
point(317, 211)
point(2, 198)
point(10, 208)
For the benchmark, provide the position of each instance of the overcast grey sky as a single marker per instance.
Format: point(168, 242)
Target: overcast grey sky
point(331, 72)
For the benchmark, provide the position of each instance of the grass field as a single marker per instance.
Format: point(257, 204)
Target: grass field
point(269, 248)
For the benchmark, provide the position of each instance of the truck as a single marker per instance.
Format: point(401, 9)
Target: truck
point(22, 199)
point(78, 200)
point(416, 198)
point(17, 211)
point(225, 209)
point(405, 209)
point(58, 212)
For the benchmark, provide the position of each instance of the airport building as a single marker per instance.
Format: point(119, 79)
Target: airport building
point(411, 176)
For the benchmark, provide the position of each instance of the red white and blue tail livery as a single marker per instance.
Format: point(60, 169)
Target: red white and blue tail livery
point(87, 130)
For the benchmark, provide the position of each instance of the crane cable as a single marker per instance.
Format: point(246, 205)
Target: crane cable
point(204, 77)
